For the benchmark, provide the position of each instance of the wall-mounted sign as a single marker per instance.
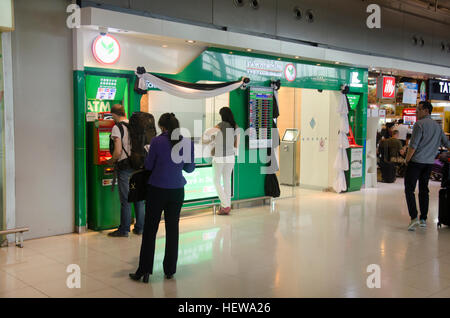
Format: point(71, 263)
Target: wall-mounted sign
point(439, 90)
point(265, 67)
point(106, 49)
point(355, 81)
point(410, 92)
point(409, 116)
point(423, 91)
point(290, 72)
point(353, 100)
point(385, 87)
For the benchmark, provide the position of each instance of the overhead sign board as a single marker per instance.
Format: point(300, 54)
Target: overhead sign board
point(439, 90)
point(386, 87)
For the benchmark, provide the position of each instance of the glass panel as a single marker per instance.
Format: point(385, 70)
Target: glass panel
point(2, 148)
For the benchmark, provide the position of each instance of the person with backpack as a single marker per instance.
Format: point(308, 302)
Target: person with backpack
point(121, 153)
point(168, 156)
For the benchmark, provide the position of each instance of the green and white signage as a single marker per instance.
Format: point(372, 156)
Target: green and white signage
point(106, 49)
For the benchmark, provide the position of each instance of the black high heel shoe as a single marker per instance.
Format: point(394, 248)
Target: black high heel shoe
point(137, 276)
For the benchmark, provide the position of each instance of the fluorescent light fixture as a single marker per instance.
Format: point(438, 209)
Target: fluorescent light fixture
point(190, 41)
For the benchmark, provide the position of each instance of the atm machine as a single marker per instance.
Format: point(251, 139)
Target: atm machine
point(103, 201)
point(288, 157)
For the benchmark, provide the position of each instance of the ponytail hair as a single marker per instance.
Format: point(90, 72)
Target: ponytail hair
point(227, 116)
point(170, 122)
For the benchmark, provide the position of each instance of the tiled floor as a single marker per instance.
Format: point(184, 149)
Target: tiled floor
point(315, 245)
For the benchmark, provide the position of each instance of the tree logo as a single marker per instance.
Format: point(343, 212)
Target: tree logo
point(290, 72)
point(106, 49)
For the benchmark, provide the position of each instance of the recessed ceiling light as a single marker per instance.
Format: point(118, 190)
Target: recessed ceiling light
point(190, 41)
point(318, 64)
point(279, 59)
point(165, 45)
point(297, 57)
point(337, 63)
point(249, 50)
point(230, 52)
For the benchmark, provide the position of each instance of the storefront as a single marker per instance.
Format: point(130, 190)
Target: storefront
point(439, 91)
point(307, 100)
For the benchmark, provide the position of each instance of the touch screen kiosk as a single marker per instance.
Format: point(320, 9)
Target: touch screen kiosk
point(288, 153)
point(103, 203)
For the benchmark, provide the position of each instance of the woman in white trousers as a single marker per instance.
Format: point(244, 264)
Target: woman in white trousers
point(225, 139)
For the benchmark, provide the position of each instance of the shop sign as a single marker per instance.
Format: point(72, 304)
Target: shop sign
point(265, 67)
point(6, 15)
point(356, 164)
point(439, 90)
point(386, 87)
point(106, 49)
point(354, 80)
point(290, 72)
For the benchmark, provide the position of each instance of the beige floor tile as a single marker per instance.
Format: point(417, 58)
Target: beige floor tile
point(33, 262)
point(27, 292)
point(40, 274)
point(10, 283)
point(59, 289)
point(104, 293)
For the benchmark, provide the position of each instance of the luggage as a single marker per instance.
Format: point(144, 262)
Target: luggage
point(388, 172)
point(138, 185)
point(444, 197)
point(444, 207)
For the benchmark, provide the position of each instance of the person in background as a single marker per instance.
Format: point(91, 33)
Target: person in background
point(165, 193)
point(392, 148)
point(122, 151)
point(402, 131)
point(427, 137)
point(223, 160)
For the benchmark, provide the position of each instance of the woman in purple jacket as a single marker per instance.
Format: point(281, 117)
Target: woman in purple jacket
point(168, 156)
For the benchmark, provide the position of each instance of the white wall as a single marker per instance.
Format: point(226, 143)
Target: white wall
point(141, 50)
point(43, 117)
point(316, 166)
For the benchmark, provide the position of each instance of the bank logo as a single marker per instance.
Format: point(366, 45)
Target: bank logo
point(290, 72)
point(106, 49)
point(354, 80)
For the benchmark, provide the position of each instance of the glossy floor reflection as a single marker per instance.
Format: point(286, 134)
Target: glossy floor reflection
point(318, 244)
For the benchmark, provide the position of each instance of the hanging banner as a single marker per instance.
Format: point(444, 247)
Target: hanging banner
point(410, 92)
point(386, 87)
point(423, 91)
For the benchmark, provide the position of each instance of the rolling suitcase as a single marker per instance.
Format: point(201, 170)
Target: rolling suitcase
point(388, 172)
point(444, 197)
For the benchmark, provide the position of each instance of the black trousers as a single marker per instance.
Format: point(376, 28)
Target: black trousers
point(417, 171)
point(170, 201)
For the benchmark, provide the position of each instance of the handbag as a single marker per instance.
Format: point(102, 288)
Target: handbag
point(138, 185)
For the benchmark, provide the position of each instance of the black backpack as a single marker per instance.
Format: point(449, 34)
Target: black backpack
point(141, 130)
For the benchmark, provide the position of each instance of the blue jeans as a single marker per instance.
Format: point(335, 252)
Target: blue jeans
point(123, 177)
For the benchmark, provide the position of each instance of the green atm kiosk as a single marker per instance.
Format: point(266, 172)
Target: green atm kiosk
point(354, 175)
point(103, 204)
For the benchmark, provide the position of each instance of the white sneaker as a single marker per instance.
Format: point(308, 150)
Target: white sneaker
point(413, 224)
point(423, 223)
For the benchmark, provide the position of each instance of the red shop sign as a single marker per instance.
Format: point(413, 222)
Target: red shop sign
point(409, 112)
point(386, 87)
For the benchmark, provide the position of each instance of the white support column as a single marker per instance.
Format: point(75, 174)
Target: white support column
point(10, 172)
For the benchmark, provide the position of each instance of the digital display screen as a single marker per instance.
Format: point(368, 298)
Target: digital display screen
point(103, 139)
point(260, 117)
point(200, 184)
point(290, 135)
